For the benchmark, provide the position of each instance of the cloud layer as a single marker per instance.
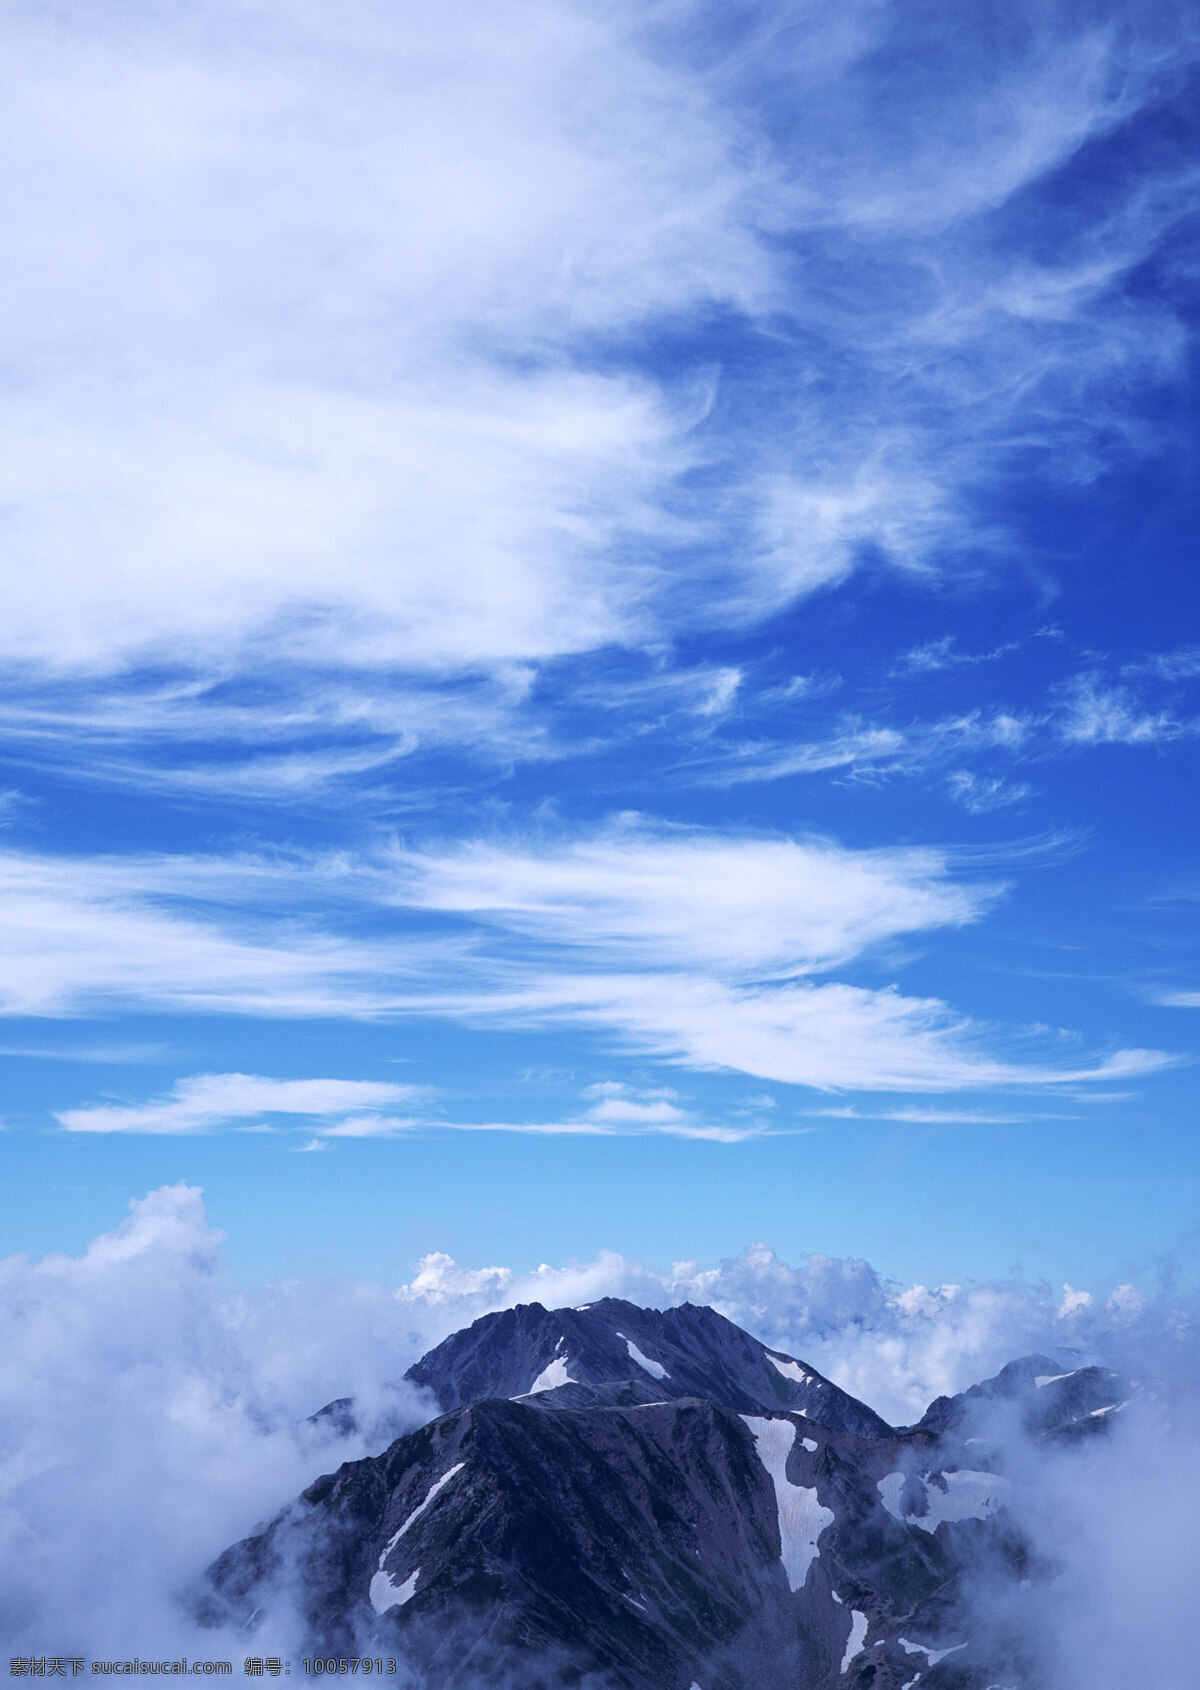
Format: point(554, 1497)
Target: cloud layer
point(154, 1412)
point(696, 948)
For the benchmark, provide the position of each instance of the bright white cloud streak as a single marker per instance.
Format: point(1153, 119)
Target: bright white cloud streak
point(154, 1411)
point(209, 1100)
point(685, 946)
point(334, 1109)
point(739, 905)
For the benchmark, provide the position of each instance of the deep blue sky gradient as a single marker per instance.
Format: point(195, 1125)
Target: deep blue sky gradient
point(906, 559)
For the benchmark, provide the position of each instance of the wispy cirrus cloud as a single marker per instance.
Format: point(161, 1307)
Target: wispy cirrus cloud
point(1087, 709)
point(642, 895)
point(936, 655)
point(404, 309)
point(204, 1101)
point(697, 949)
point(1182, 999)
point(1182, 664)
point(268, 932)
point(332, 1110)
point(866, 749)
point(1096, 712)
point(287, 742)
point(829, 1036)
point(981, 794)
point(478, 511)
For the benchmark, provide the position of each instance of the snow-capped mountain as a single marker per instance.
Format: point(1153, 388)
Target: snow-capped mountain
point(622, 1497)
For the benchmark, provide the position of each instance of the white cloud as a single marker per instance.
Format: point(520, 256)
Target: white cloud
point(935, 655)
point(827, 1036)
point(981, 794)
point(131, 1053)
point(1074, 1301)
point(347, 1109)
point(173, 934)
point(871, 750)
point(622, 1122)
point(323, 339)
point(690, 947)
point(348, 225)
point(154, 1411)
point(210, 1100)
point(274, 286)
point(896, 1347)
point(1183, 664)
point(1096, 713)
point(192, 931)
point(629, 1111)
point(1117, 1522)
point(734, 904)
point(920, 1116)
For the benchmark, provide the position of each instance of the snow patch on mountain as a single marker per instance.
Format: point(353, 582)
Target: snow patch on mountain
point(964, 1495)
point(655, 1369)
point(933, 1656)
point(857, 1639)
point(384, 1594)
point(551, 1377)
point(790, 1369)
point(802, 1519)
point(438, 1484)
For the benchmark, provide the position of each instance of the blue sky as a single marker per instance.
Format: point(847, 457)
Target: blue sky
point(600, 641)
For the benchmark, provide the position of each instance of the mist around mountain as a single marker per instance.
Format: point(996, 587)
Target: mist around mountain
point(655, 1500)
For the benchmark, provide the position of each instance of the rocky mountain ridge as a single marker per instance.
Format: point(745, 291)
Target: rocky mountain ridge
point(634, 1499)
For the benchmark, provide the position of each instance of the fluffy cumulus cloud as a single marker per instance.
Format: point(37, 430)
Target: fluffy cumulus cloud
point(154, 1411)
point(896, 1347)
point(151, 1410)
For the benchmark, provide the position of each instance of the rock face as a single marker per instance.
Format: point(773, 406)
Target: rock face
point(624, 1499)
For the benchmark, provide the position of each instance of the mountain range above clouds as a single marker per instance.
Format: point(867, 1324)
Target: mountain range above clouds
point(633, 1499)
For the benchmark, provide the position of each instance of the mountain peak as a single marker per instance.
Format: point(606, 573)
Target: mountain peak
point(1044, 1396)
point(688, 1350)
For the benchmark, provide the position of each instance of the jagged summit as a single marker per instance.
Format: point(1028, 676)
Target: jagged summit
point(686, 1351)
